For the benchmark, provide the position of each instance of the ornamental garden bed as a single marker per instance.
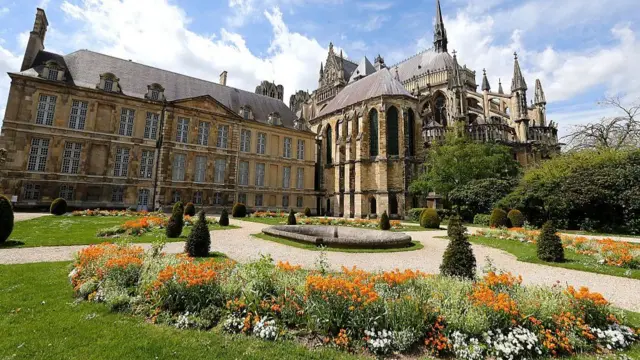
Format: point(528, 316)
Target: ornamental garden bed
point(375, 313)
point(280, 218)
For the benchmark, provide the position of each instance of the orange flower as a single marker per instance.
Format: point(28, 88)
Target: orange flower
point(584, 295)
point(285, 266)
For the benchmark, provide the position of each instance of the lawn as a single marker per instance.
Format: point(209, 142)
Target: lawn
point(527, 252)
point(283, 221)
point(415, 245)
point(77, 230)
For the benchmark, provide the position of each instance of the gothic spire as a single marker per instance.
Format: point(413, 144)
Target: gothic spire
point(518, 82)
point(539, 97)
point(455, 82)
point(485, 81)
point(439, 33)
point(500, 91)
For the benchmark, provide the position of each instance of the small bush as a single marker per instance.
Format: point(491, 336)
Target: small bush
point(58, 207)
point(414, 214)
point(176, 221)
point(239, 210)
point(549, 244)
point(482, 219)
point(199, 241)
point(291, 220)
point(458, 259)
point(516, 219)
point(430, 219)
point(224, 218)
point(6, 219)
point(384, 221)
point(190, 209)
point(307, 212)
point(498, 218)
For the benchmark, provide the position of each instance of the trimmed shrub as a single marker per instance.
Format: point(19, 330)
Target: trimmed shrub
point(176, 221)
point(549, 244)
point(239, 210)
point(415, 214)
point(199, 241)
point(58, 207)
point(430, 219)
point(307, 212)
point(458, 259)
point(384, 221)
point(516, 219)
point(498, 218)
point(482, 219)
point(6, 219)
point(291, 220)
point(224, 218)
point(190, 209)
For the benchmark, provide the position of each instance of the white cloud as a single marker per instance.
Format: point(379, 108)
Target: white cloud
point(373, 22)
point(375, 6)
point(9, 62)
point(4, 11)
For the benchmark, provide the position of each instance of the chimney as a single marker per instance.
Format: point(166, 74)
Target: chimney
point(36, 40)
point(223, 78)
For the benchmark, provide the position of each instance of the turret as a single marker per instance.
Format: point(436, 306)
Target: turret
point(540, 104)
point(379, 63)
point(321, 75)
point(439, 33)
point(539, 97)
point(520, 112)
point(500, 90)
point(456, 85)
point(36, 40)
point(485, 82)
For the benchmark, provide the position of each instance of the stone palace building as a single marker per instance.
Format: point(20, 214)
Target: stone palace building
point(106, 132)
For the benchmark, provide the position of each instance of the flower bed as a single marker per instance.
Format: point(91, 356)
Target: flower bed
point(143, 225)
point(607, 251)
point(493, 317)
point(98, 212)
point(304, 220)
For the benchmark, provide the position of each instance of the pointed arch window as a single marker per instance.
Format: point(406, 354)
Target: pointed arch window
point(392, 132)
point(329, 142)
point(373, 132)
point(441, 110)
point(411, 124)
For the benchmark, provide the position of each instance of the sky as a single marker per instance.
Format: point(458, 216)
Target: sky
point(580, 50)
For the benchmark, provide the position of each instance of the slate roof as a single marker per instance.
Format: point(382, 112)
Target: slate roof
point(377, 84)
point(364, 68)
point(85, 67)
point(421, 62)
point(349, 67)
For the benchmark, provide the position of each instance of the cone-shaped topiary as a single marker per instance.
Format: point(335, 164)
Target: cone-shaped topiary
point(291, 220)
point(429, 219)
point(176, 221)
point(224, 218)
point(458, 259)
point(190, 209)
point(498, 218)
point(239, 210)
point(549, 244)
point(199, 240)
point(6, 219)
point(516, 219)
point(307, 212)
point(384, 221)
point(58, 207)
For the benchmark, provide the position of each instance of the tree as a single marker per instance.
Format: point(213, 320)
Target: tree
point(199, 240)
point(6, 219)
point(429, 219)
point(498, 218)
point(176, 221)
point(458, 259)
point(549, 244)
point(291, 220)
point(190, 209)
point(224, 218)
point(516, 219)
point(615, 132)
point(239, 210)
point(480, 196)
point(384, 221)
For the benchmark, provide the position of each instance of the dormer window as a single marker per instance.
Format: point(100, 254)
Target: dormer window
point(155, 92)
point(53, 74)
point(246, 113)
point(274, 119)
point(53, 71)
point(109, 83)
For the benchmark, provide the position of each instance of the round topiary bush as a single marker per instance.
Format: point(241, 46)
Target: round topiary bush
point(176, 221)
point(190, 209)
point(498, 218)
point(58, 207)
point(6, 219)
point(224, 218)
point(307, 212)
point(291, 220)
point(384, 221)
point(199, 240)
point(516, 219)
point(239, 210)
point(429, 219)
point(458, 259)
point(549, 244)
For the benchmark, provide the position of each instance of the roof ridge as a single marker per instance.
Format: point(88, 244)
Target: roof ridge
point(412, 56)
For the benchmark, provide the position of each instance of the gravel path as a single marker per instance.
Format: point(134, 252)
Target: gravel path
point(27, 216)
point(239, 245)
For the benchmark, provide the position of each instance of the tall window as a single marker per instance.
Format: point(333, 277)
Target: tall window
point(286, 177)
point(38, 155)
point(329, 145)
point(203, 133)
point(220, 166)
point(259, 200)
point(108, 85)
point(175, 196)
point(66, 192)
point(151, 126)
point(121, 167)
point(245, 141)
point(441, 110)
point(217, 198)
point(143, 197)
point(223, 135)
point(411, 124)
point(78, 115)
point(53, 74)
point(71, 157)
point(126, 122)
point(201, 168)
point(392, 131)
point(243, 179)
point(146, 164)
point(182, 130)
point(155, 94)
point(262, 143)
point(373, 132)
point(287, 147)
point(197, 198)
point(178, 167)
point(259, 174)
point(300, 150)
point(46, 110)
point(299, 201)
point(32, 192)
point(117, 194)
point(242, 198)
point(300, 179)
point(285, 201)
point(245, 113)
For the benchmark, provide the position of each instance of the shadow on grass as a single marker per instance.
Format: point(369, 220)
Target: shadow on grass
point(11, 244)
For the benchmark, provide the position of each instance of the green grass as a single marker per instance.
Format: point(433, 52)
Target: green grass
point(415, 245)
point(527, 252)
point(283, 221)
point(39, 320)
point(77, 230)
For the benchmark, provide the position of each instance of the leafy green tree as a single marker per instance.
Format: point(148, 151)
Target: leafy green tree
point(458, 259)
point(199, 240)
point(480, 196)
point(6, 219)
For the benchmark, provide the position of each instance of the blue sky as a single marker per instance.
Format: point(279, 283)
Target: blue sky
point(581, 50)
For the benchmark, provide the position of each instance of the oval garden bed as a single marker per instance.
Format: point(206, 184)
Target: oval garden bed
point(340, 237)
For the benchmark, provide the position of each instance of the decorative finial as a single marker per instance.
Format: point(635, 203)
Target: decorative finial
point(515, 54)
point(484, 71)
point(454, 52)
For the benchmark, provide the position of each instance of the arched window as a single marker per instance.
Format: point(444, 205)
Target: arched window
point(393, 204)
point(372, 205)
point(373, 132)
point(441, 110)
point(329, 142)
point(392, 131)
point(411, 124)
